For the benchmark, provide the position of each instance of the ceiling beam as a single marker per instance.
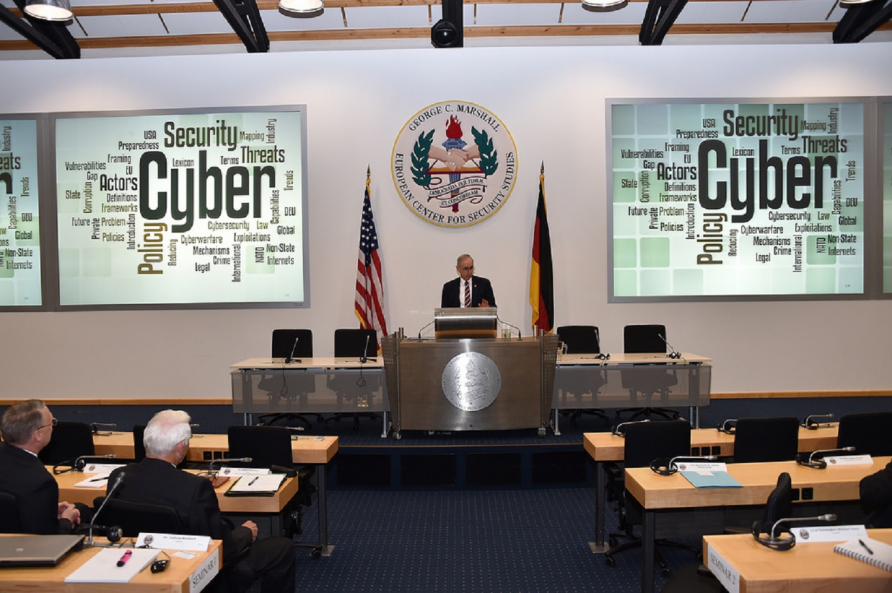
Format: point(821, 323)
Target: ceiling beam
point(244, 18)
point(861, 20)
point(659, 17)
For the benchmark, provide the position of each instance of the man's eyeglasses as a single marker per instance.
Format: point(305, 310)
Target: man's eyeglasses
point(53, 424)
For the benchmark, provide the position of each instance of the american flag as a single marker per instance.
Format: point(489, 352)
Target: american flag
point(369, 288)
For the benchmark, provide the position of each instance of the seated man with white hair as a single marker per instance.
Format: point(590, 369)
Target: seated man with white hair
point(156, 480)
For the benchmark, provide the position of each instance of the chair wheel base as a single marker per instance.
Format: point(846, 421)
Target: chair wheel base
point(610, 560)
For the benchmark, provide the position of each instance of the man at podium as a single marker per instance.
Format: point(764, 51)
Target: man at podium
point(467, 290)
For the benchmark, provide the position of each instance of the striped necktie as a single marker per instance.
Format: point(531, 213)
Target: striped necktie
point(467, 294)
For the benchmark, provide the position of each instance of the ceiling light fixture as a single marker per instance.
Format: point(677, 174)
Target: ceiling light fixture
point(302, 8)
point(49, 10)
point(603, 5)
point(845, 3)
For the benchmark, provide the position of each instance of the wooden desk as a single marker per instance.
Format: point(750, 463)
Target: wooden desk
point(271, 386)
point(807, 568)
point(176, 579)
point(670, 496)
point(605, 446)
point(228, 504)
point(584, 381)
point(205, 447)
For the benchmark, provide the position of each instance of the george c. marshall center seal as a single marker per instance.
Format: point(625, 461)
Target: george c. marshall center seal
point(454, 164)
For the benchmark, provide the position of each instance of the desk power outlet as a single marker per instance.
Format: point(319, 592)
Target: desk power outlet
point(717, 451)
point(794, 494)
point(808, 494)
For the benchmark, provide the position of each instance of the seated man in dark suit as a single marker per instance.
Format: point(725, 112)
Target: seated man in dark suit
point(467, 290)
point(27, 427)
point(156, 480)
point(876, 493)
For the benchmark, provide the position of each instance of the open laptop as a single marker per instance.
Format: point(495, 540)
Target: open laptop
point(36, 550)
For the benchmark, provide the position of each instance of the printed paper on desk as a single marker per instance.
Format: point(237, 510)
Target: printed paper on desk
point(848, 460)
point(701, 466)
point(102, 468)
point(828, 533)
point(243, 471)
point(94, 481)
point(173, 541)
point(103, 567)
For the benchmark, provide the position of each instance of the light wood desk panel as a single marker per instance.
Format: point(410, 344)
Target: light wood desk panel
point(51, 579)
point(807, 568)
point(203, 447)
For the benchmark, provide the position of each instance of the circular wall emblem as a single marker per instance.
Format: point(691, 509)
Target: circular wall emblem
point(471, 381)
point(454, 164)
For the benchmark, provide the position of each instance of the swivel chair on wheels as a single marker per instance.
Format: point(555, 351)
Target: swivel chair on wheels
point(287, 388)
point(643, 339)
point(584, 339)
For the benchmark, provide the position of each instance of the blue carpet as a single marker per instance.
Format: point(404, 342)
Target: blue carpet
point(534, 540)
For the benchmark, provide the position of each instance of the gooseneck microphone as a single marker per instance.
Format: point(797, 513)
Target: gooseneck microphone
point(813, 422)
point(113, 533)
point(620, 429)
point(673, 353)
point(776, 541)
point(514, 327)
point(664, 468)
point(425, 327)
point(821, 463)
point(227, 460)
point(95, 426)
point(365, 350)
point(291, 358)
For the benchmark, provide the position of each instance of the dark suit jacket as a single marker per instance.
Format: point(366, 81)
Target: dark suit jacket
point(480, 289)
point(876, 493)
point(155, 481)
point(24, 476)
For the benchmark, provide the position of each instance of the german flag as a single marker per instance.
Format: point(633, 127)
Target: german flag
point(541, 270)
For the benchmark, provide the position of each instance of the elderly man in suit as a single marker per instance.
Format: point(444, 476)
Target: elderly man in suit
point(467, 290)
point(27, 427)
point(156, 480)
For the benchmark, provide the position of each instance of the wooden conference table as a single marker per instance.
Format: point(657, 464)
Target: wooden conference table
point(685, 510)
point(308, 450)
point(50, 579)
point(605, 446)
point(806, 568)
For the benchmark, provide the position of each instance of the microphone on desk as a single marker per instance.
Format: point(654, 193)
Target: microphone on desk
point(600, 355)
point(511, 326)
point(820, 463)
point(620, 429)
point(113, 533)
point(78, 464)
point(812, 424)
point(776, 541)
point(291, 358)
point(425, 327)
point(727, 427)
point(227, 460)
point(673, 353)
point(660, 466)
point(95, 426)
point(365, 350)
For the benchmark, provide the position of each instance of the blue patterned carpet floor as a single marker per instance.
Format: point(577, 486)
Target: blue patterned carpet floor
point(531, 540)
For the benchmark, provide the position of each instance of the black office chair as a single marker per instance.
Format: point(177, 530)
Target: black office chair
point(766, 439)
point(270, 447)
point(584, 339)
point(868, 433)
point(9, 514)
point(70, 440)
point(645, 442)
point(139, 448)
point(290, 344)
point(643, 339)
point(136, 517)
point(352, 343)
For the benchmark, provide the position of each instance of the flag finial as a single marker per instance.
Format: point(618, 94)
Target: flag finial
point(368, 172)
point(542, 169)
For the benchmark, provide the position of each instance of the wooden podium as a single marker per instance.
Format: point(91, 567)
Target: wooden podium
point(470, 384)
